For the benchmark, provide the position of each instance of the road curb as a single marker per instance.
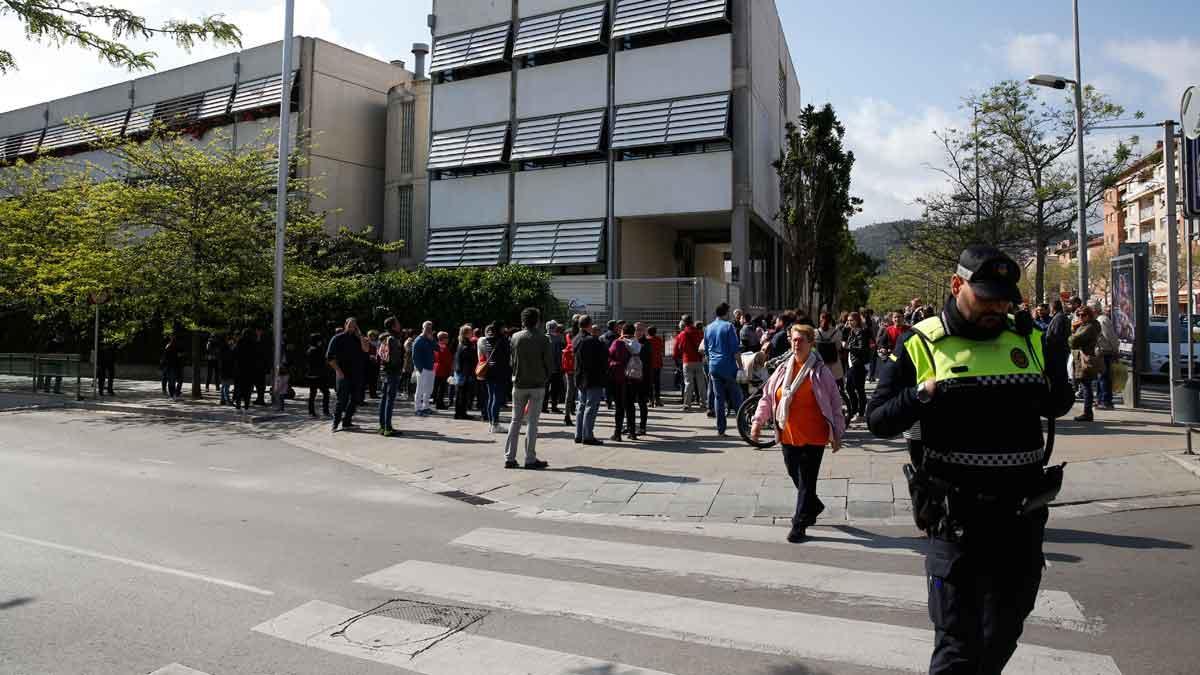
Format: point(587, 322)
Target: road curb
point(1190, 463)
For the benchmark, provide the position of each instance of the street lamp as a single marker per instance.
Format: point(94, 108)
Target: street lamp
point(1057, 82)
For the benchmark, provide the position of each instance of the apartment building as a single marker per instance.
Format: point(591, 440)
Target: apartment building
point(1135, 210)
point(339, 96)
point(610, 140)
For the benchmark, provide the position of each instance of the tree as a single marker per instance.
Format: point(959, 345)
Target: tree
point(816, 205)
point(1034, 139)
point(73, 22)
point(910, 274)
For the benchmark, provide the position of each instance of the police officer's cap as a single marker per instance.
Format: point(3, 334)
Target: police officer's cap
point(992, 274)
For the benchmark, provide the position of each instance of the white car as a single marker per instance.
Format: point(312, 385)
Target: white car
point(1160, 354)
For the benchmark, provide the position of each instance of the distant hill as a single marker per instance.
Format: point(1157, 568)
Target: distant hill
point(880, 239)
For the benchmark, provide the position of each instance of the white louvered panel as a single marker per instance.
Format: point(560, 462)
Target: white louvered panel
point(18, 145)
point(259, 93)
point(468, 147)
point(484, 45)
point(139, 119)
point(644, 16)
point(178, 110)
point(215, 103)
point(687, 12)
point(558, 243)
point(680, 120)
point(640, 16)
point(569, 134)
point(460, 247)
point(569, 28)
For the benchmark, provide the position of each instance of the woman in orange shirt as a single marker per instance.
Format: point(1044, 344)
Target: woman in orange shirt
point(803, 399)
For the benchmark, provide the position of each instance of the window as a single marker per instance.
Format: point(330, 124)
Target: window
point(686, 120)
point(552, 32)
point(783, 92)
point(69, 135)
point(405, 205)
point(644, 16)
point(558, 243)
point(408, 113)
point(462, 247)
point(477, 146)
point(261, 93)
point(562, 135)
point(473, 48)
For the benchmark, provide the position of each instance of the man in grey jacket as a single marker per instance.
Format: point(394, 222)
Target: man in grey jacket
point(532, 364)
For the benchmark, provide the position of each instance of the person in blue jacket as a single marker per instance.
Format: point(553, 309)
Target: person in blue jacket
point(722, 344)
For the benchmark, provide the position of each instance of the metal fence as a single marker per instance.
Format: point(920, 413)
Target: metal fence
point(46, 371)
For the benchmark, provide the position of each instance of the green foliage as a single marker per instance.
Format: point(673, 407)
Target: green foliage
point(72, 22)
point(447, 297)
point(816, 205)
point(909, 275)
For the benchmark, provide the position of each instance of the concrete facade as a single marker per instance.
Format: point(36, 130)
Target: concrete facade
point(696, 204)
point(340, 99)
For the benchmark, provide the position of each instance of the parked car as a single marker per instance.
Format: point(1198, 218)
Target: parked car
point(1156, 335)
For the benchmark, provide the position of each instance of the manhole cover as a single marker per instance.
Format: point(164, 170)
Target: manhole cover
point(407, 626)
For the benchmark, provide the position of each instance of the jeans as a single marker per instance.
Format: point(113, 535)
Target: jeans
point(1104, 382)
point(317, 384)
point(640, 392)
point(803, 464)
point(522, 399)
point(224, 390)
point(424, 391)
point(1086, 383)
point(589, 407)
point(571, 394)
point(693, 383)
point(347, 400)
point(553, 393)
point(391, 387)
point(623, 402)
point(495, 401)
point(726, 392)
point(174, 381)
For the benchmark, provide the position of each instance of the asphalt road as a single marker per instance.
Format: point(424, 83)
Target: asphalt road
point(128, 544)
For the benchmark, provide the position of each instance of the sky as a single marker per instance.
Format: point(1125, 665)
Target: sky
point(895, 70)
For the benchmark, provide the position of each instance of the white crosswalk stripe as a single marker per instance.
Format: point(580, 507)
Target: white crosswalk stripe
point(1055, 608)
point(768, 631)
point(818, 537)
point(426, 649)
point(177, 669)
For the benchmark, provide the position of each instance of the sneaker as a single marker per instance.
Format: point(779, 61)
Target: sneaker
point(537, 465)
point(796, 535)
point(333, 430)
point(394, 432)
point(500, 429)
point(511, 464)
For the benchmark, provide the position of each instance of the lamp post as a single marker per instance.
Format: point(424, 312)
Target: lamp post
point(281, 193)
point(1056, 82)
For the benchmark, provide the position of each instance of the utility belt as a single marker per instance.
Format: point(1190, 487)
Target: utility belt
point(942, 509)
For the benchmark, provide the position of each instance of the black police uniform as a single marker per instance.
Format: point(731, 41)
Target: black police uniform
point(983, 443)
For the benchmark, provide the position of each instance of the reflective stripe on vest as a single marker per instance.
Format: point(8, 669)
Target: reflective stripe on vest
point(1002, 361)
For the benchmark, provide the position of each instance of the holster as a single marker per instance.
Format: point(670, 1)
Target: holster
point(929, 499)
point(1045, 492)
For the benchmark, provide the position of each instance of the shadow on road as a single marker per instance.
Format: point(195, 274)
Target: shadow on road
point(1063, 536)
point(795, 669)
point(627, 474)
point(872, 540)
point(15, 602)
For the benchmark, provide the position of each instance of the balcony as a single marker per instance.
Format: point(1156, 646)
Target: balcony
point(1146, 213)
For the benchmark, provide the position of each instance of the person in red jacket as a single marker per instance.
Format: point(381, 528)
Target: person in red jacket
point(658, 349)
point(687, 352)
point(443, 366)
point(568, 369)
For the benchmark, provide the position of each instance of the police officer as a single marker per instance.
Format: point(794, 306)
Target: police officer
point(977, 381)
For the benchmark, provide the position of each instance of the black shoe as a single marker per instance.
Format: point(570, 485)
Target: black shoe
point(511, 464)
point(578, 440)
point(567, 420)
point(642, 430)
point(796, 535)
point(334, 429)
point(1085, 417)
point(555, 410)
point(349, 427)
point(537, 465)
point(710, 414)
point(615, 438)
point(593, 441)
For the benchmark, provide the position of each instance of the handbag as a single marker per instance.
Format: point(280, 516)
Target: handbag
point(481, 369)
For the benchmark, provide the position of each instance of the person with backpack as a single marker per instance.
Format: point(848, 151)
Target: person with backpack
point(625, 375)
point(390, 355)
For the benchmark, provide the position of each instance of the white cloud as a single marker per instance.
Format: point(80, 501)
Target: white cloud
point(893, 153)
point(1174, 65)
point(1027, 54)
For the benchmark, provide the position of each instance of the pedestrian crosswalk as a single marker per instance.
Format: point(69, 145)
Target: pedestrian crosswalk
point(809, 631)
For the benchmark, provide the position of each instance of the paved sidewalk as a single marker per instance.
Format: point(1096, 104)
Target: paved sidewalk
point(682, 470)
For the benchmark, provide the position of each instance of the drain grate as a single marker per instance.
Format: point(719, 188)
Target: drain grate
point(473, 500)
point(450, 619)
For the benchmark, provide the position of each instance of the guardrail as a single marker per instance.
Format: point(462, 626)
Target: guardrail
point(47, 371)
